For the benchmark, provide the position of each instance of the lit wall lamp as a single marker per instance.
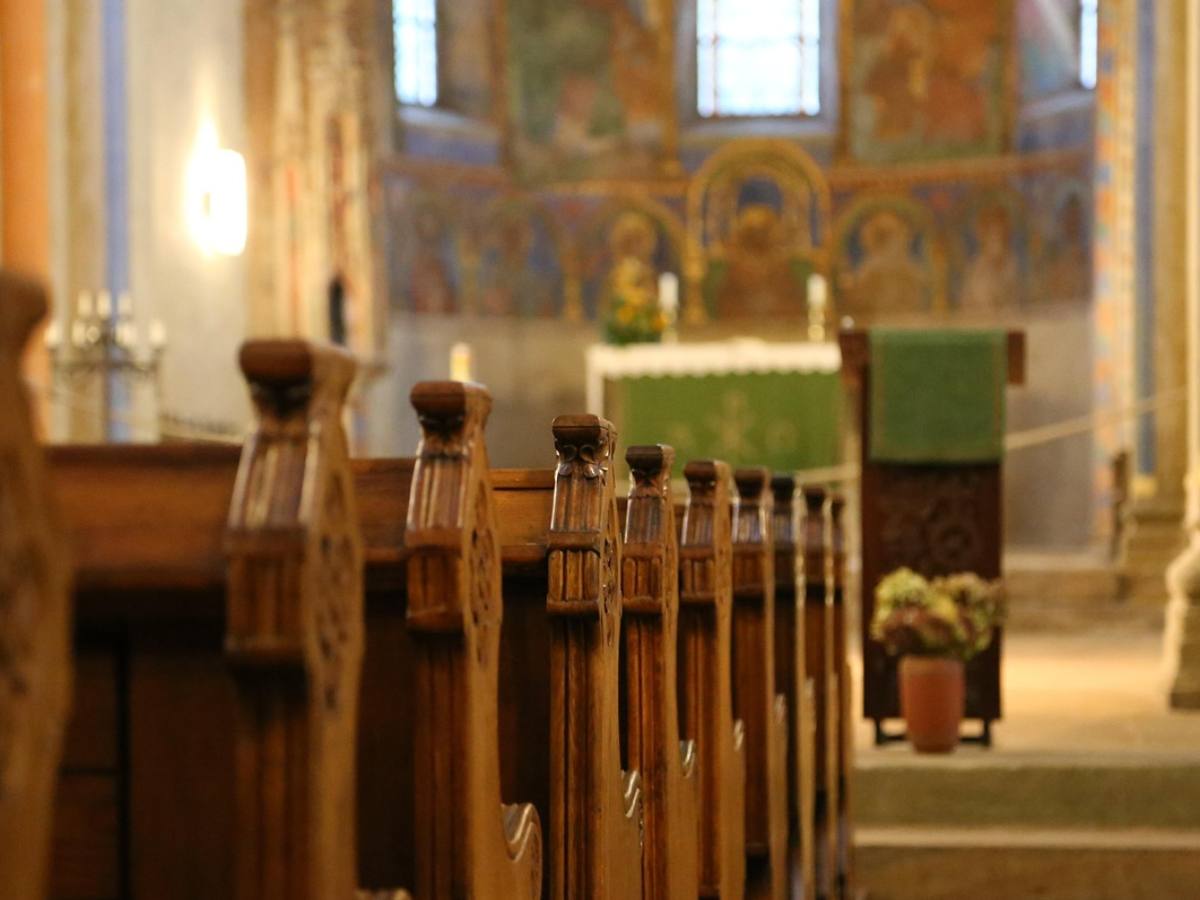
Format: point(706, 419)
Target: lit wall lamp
point(216, 196)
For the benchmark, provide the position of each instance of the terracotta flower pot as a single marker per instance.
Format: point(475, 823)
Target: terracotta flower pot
point(932, 695)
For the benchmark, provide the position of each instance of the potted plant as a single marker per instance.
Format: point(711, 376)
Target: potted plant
point(934, 626)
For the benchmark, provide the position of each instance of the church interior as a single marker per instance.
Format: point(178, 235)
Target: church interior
point(599, 449)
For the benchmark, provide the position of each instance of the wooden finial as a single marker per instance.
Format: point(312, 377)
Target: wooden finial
point(35, 616)
point(650, 596)
point(466, 838)
point(596, 810)
point(294, 628)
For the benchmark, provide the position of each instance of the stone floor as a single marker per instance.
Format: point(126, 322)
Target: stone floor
point(1092, 789)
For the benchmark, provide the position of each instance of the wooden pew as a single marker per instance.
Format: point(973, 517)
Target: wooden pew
point(650, 595)
point(818, 631)
point(705, 666)
point(595, 817)
point(155, 563)
point(467, 844)
point(35, 629)
point(758, 705)
point(843, 727)
point(793, 682)
point(294, 629)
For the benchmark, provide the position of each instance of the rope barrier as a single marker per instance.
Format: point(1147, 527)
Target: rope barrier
point(1029, 438)
point(1014, 441)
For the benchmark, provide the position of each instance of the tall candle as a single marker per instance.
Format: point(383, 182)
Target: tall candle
point(84, 305)
point(460, 362)
point(104, 304)
point(668, 293)
point(817, 291)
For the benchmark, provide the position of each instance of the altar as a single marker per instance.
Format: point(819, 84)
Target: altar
point(748, 402)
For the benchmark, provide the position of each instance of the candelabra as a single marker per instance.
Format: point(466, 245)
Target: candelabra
point(101, 339)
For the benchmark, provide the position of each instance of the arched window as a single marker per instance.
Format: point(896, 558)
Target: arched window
point(414, 24)
point(758, 57)
point(1089, 32)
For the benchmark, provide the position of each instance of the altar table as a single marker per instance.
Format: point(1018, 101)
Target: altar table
point(748, 402)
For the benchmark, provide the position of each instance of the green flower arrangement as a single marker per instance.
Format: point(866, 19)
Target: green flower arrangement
point(956, 615)
point(633, 314)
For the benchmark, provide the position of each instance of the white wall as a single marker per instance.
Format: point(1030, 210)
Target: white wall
point(185, 69)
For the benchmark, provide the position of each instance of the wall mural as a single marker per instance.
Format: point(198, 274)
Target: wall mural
point(926, 79)
point(586, 203)
point(888, 258)
point(990, 252)
point(466, 57)
point(1048, 38)
point(587, 90)
point(627, 243)
point(757, 214)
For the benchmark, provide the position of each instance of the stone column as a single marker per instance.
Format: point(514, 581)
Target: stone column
point(1152, 536)
point(1183, 576)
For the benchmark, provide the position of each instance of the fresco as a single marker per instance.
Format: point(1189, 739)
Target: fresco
point(926, 79)
point(423, 267)
point(887, 258)
point(1048, 35)
point(520, 261)
point(586, 90)
point(627, 242)
point(990, 252)
point(1062, 263)
point(757, 214)
point(465, 57)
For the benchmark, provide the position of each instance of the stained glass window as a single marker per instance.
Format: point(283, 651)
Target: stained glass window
point(415, 26)
point(758, 57)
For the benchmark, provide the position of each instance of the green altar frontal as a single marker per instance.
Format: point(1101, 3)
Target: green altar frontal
point(776, 405)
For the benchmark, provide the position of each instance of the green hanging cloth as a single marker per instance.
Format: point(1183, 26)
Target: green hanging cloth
point(937, 396)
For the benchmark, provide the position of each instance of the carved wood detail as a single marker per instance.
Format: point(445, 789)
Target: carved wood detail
point(294, 628)
point(706, 636)
point(596, 810)
point(468, 843)
point(35, 616)
point(650, 596)
point(841, 744)
point(792, 674)
point(819, 661)
point(760, 707)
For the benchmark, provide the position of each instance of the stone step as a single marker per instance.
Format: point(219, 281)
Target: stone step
point(1035, 790)
point(1025, 863)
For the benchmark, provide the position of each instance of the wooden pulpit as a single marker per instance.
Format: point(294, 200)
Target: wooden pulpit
point(937, 519)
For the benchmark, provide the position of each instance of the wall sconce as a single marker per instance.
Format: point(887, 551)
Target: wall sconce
point(216, 196)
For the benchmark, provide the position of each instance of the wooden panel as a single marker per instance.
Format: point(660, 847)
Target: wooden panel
point(86, 850)
point(181, 732)
point(92, 729)
point(145, 515)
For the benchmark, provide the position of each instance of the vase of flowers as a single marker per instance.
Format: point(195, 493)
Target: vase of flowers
point(633, 315)
point(934, 626)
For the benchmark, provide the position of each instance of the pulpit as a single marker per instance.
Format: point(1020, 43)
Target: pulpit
point(937, 510)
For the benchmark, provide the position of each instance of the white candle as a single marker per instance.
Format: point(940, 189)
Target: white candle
point(104, 304)
point(668, 293)
point(817, 291)
point(84, 305)
point(158, 334)
point(460, 362)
